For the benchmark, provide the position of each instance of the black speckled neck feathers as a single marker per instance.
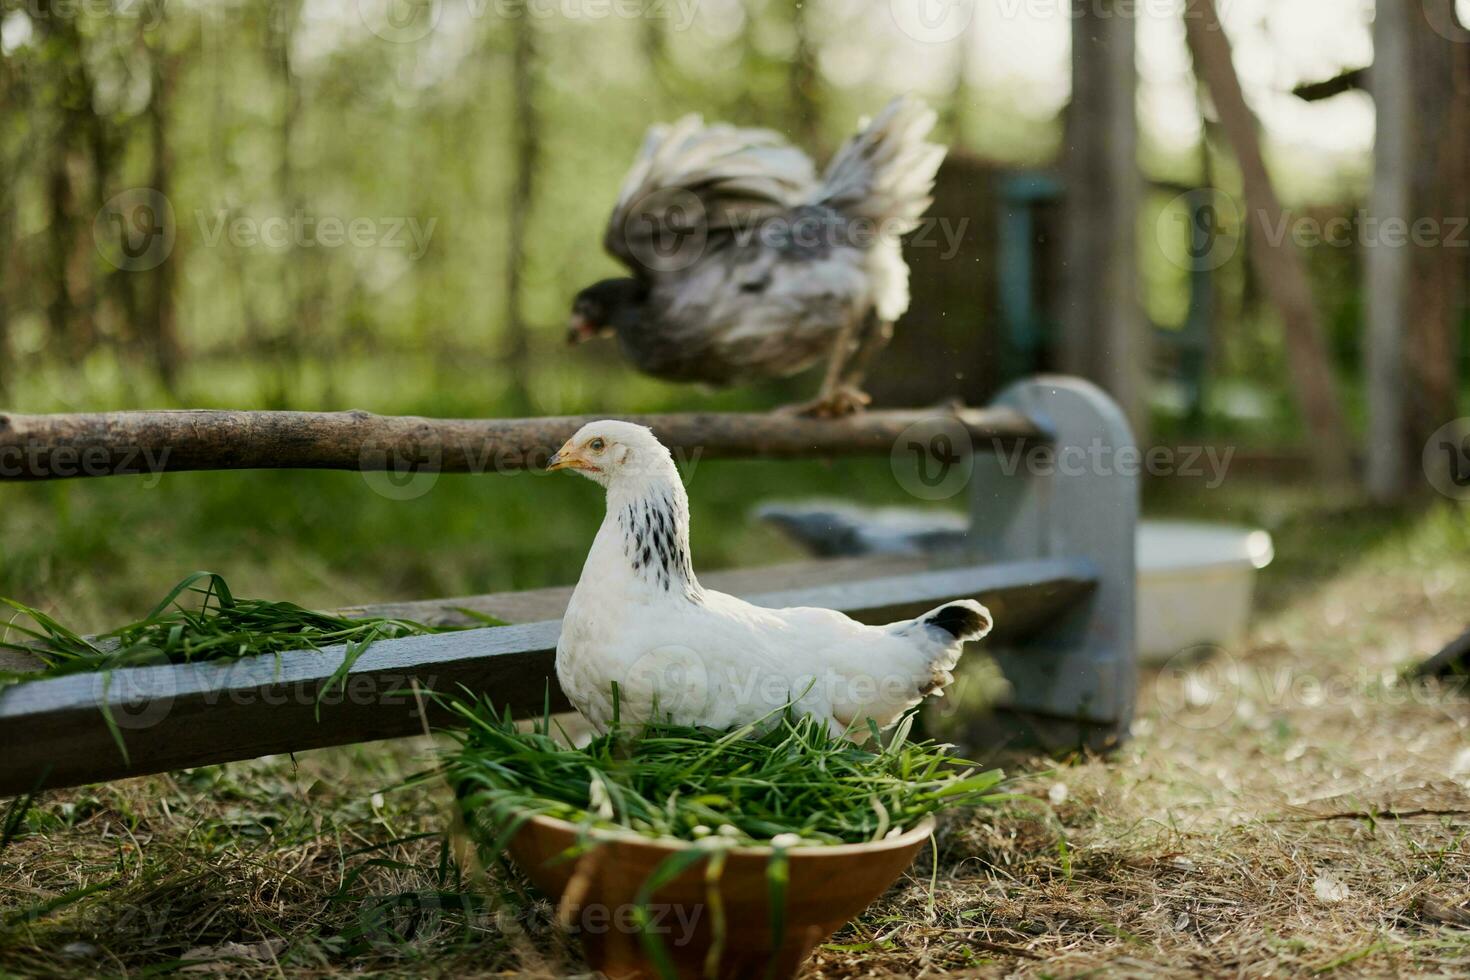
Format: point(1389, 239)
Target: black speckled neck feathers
point(655, 530)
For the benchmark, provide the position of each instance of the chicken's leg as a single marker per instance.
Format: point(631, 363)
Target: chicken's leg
point(836, 397)
point(876, 335)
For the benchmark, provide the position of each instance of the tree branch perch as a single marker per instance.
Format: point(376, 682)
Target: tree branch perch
point(48, 447)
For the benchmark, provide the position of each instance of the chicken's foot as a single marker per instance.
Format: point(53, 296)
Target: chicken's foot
point(842, 400)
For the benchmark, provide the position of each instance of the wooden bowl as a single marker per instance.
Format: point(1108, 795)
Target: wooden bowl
point(827, 887)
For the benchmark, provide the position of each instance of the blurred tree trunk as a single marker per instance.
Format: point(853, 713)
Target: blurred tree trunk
point(216, 39)
point(1439, 201)
point(803, 82)
point(1386, 278)
point(119, 286)
point(161, 319)
point(1277, 262)
point(296, 326)
point(956, 108)
point(654, 40)
point(58, 232)
point(1104, 333)
point(1415, 272)
point(7, 245)
point(1204, 290)
point(71, 92)
point(12, 93)
point(526, 147)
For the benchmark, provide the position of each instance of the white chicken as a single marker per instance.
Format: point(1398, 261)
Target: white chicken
point(640, 621)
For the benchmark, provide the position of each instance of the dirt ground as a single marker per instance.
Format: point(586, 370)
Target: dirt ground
point(1287, 808)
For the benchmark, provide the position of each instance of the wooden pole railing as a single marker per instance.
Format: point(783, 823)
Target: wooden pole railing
point(48, 447)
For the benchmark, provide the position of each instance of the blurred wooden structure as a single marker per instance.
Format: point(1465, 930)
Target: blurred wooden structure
point(1104, 333)
point(1003, 261)
point(1416, 289)
point(937, 352)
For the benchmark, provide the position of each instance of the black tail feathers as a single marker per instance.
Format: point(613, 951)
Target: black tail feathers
point(964, 620)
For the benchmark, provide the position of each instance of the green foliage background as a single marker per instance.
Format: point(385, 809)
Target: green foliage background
point(252, 109)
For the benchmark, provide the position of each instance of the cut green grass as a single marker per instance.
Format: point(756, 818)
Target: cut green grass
point(221, 627)
point(785, 779)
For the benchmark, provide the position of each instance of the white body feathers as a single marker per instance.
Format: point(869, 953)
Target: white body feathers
point(639, 619)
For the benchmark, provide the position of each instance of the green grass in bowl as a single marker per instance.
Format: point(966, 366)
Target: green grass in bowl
point(785, 782)
point(788, 780)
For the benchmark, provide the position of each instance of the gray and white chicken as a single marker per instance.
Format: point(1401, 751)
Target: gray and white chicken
point(746, 265)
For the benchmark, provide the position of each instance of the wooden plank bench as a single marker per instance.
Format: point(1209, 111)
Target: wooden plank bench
point(174, 717)
point(1050, 550)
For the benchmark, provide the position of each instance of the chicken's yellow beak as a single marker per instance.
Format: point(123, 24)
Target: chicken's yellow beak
point(568, 457)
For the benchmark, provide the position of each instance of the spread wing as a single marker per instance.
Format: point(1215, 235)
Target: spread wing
point(693, 184)
point(885, 172)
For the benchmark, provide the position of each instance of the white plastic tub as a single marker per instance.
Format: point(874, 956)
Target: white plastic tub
point(1195, 584)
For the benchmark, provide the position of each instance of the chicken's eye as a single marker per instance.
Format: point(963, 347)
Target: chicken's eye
point(597, 445)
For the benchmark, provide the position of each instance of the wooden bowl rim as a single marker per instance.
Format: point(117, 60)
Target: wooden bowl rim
point(913, 835)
